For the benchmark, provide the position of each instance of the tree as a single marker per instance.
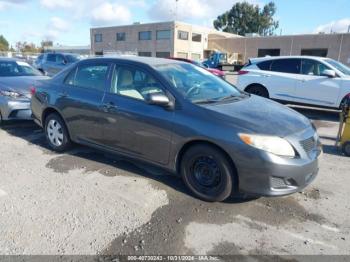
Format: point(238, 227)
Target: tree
point(4, 45)
point(244, 18)
point(25, 47)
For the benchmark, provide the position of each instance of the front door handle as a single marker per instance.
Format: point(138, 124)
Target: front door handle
point(106, 107)
point(63, 95)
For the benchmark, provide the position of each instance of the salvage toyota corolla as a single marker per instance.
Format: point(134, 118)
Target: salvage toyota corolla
point(182, 118)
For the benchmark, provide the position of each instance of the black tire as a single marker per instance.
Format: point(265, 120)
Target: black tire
point(63, 140)
point(346, 148)
point(208, 173)
point(258, 90)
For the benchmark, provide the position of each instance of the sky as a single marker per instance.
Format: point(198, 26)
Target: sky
point(68, 22)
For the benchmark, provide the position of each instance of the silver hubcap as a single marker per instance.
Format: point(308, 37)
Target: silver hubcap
point(55, 133)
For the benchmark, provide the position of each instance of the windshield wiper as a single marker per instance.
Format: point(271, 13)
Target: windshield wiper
point(206, 101)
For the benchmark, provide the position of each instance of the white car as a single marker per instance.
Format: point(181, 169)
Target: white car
point(306, 80)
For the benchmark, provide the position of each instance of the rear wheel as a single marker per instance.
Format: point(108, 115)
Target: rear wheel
point(208, 173)
point(56, 133)
point(258, 90)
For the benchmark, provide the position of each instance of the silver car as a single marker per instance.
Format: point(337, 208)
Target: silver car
point(52, 63)
point(16, 79)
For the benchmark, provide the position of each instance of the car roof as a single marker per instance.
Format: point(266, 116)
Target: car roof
point(152, 61)
point(9, 59)
point(268, 58)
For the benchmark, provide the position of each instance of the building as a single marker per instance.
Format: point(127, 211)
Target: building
point(165, 39)
point(183, 40)
point(80, 50)
point(335, 46)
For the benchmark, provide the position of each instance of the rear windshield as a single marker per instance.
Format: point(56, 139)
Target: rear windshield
point(17, 68)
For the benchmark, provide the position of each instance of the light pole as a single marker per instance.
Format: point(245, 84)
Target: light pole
point(176, 1)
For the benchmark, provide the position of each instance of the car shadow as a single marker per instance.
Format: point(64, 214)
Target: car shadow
point(33, 134)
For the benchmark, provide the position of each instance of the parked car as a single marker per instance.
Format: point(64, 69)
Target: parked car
point(182, 118)
point(214, 71)
point(303, 80)
point(52, 63)
point(16, 79)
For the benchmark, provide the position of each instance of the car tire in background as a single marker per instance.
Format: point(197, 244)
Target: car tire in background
point(208, 173)
point(56, 133)
point(346, 148)
point(258, 90)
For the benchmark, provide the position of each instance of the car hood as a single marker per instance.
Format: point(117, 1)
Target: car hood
point(261, 116)
point(20, 84)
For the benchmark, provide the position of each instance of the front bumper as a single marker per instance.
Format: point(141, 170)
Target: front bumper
point(264, 174)
point(15, 109)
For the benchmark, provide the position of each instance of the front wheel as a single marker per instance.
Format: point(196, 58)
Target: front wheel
point(208, 173)
point(56, 133)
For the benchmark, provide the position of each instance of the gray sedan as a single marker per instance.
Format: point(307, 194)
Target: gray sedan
point(16, 79)
point(182, 118)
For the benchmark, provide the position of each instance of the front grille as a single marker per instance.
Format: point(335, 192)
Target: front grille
point(309, 144)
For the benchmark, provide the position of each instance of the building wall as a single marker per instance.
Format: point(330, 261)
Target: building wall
point(338, 45)
point(133, 45)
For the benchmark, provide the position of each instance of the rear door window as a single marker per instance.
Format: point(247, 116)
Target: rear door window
point(92, 76)
point(265, 65)
point(290, 66)
point(51, 58)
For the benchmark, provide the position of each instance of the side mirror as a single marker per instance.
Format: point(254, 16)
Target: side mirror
point(64, 62)
point(329, 73)
point(159, 99)
point(205, 65)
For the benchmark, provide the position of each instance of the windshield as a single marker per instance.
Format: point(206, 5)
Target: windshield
point(71, 58)
point(341, 67)
point(197, 84)
point(17, 68)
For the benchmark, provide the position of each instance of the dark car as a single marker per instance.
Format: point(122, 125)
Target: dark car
point(182, 118)
point(52, 63)
point(16, 79)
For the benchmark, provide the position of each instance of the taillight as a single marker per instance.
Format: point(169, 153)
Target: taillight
point(243, 72)
point(32, 90)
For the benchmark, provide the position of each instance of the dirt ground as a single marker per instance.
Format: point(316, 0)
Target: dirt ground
point(87, 202)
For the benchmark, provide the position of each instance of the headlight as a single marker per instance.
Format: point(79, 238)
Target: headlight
point(10, 94)
point(271, 144)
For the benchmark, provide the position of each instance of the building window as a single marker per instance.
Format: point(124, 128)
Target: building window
point(147, 54)
point(182, 35)
point(196, 37)
point(163, 54)
point(182, 55)
point(268, 52)
point(145, 35)
point(98, 38)
point(121, 36)
point(163, 34)
point(314, 52)
point(196, 57)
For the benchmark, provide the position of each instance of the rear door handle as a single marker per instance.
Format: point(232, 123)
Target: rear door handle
point(266, 75)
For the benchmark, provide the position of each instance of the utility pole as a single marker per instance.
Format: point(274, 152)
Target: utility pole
point(176, 2)
point(349, 29)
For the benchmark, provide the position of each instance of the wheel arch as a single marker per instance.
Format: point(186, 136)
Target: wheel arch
point(256, 84)
point(51, 110)
point(192, 143)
